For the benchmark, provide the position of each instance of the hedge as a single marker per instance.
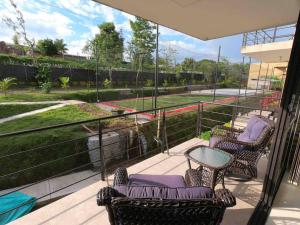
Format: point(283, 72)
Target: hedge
point(28, 60)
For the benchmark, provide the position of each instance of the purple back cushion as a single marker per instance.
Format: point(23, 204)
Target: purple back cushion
point(253, 130)
point(164, 192)
point(172, 181)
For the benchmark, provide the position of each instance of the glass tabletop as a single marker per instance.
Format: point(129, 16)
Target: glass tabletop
point(210, 157)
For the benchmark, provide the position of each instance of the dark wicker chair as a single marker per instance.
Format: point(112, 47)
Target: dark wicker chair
point(151, 208)
point(247, 153)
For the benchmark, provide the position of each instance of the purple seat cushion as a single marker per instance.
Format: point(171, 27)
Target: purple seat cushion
point(172, 181)
point(253, 130)
point(164, 192)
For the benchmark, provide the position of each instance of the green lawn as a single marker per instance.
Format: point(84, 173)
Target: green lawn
point(11, 110)
point(21, 143)
point(66, 114)
point(81, 94)
point(163, 101)
point(37, 95)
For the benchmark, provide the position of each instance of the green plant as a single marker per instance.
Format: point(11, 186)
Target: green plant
point(46, 87)
point(149, 83)
point(276, 83)
point(64, 82)
point(43, 74)
point(47, 47)
point(107, 84)
point(183, 82)
point(165, 83)
point(6, 83)
point(205, 135)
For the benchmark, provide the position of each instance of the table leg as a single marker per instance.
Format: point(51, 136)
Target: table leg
point(223, 182)
point(214, 179)
point(189, 164)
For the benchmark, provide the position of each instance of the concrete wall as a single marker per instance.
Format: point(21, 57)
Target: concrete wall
point(259, 71)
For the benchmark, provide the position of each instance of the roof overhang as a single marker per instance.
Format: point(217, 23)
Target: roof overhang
point(269, 53)
point(209, 19)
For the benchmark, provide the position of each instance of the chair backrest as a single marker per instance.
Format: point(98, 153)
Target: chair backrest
point(266, 135)
point(154, 211)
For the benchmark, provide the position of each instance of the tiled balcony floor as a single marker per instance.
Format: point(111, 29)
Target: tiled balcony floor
point(80, 207)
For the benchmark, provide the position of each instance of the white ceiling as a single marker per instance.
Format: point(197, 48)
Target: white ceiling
point(209, 19)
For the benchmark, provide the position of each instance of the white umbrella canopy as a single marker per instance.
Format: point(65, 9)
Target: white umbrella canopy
point(210, 19)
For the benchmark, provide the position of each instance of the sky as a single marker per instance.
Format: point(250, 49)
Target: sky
point(76, 21)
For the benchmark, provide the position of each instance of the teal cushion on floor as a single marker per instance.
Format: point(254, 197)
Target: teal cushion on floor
point(22, 202)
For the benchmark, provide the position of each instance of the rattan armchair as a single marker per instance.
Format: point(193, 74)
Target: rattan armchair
point(246, 153)
point(154, 209)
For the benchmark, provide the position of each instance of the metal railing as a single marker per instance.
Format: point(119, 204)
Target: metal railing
point(271, 35)
point(61, 156)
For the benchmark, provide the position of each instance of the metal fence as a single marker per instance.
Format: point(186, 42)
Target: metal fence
point(67, 148)
point(271, 35)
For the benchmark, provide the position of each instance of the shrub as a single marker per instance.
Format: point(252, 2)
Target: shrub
point(205, 135)
point(43, 74)
point(46, 87)
point(6, 83)
point(107, 84)
point(149, 83)
point(183, 82)
point(64, 82)
point(165, 83)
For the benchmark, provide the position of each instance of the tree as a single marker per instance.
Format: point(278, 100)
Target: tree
point(47, 47)
point(6, 83)
point(188, 64)
point(143, 42)
point(107, 47)
point(208, 68)
point(168, 59)
point(18, 26)
point(64, 82)
point(16, 42)
point(61, 47)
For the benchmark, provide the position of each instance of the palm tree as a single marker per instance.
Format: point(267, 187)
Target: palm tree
point(64, 82)
point(6, 83)
point(60, 46)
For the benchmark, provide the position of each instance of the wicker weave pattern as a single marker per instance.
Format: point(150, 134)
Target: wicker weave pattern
point(121, 176)
point(147, 211)
point(123, 210)
point(245, 163)
point(202, 177)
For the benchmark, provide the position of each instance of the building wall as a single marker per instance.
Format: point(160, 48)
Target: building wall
point(258, 73)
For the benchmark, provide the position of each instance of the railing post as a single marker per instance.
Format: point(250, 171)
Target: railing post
point(102, 163)
point(256, 38)
point(244, 39)
point(199, 119)
point(233, 116)
point(274, 34)
point(165, 136)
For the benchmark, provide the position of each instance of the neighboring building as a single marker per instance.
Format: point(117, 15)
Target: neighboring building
point(6, 48)
point(271, 49)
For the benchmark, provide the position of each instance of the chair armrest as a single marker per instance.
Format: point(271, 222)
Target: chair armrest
point(105, 196)
point(121, 176)
point(226, 197)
